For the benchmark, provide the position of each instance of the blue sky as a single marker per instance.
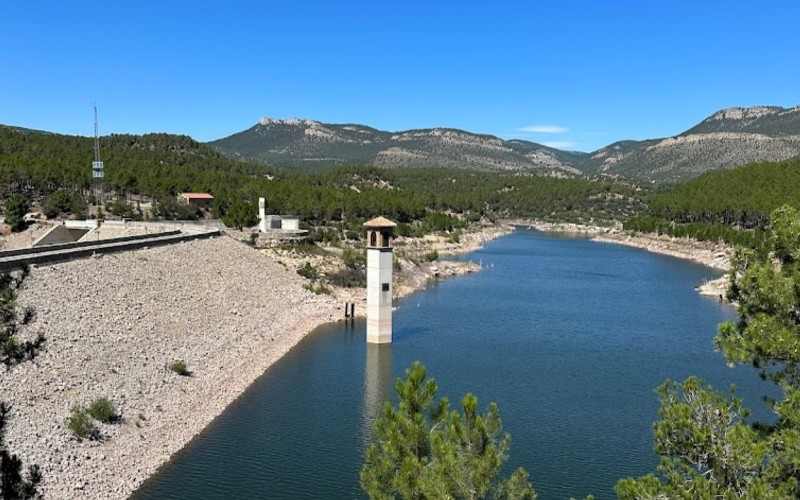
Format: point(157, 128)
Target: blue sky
point(573, 74)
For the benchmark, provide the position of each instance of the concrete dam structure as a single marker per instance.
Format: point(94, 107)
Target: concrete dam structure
point(75, 240)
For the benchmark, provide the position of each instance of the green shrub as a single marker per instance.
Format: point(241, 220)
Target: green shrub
point(438, 221)
point(103, 410)
point(180, 368)
point(253, 239)
point(349, 278)
point(81, 424)
point(167, 207)
point(473, 217)
point(315, 236)
point(13, 350)
point(331, 237)
point(354, 259)
point(308, 271)
point(403, 229)
point(431, 256)
point(122, 208)
point(61, 201)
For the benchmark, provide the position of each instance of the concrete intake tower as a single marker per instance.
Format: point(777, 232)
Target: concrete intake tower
point(379, 280)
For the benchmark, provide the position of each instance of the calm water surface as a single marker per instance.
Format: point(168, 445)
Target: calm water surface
point(569, 337)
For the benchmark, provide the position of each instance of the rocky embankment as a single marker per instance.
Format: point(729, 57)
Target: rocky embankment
point(711, 254)
point(114, 323)
point(414, 272)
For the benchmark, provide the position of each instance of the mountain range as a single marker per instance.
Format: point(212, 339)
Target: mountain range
point(728, 138)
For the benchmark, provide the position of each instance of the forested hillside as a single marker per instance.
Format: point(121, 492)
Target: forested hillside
point(713, 205)
point(309, 145)
point(38, 163)
point(160, 166)
point(743, 197)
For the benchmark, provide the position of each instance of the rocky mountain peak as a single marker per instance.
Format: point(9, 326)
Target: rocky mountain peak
point(294, 122)
point(728, 138)
point(746, 114)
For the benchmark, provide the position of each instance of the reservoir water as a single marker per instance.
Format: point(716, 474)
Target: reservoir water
point(568, 336)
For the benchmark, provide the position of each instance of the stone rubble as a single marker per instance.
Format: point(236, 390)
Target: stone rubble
point(114, 323)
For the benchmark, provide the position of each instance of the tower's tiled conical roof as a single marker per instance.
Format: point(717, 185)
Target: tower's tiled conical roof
point(379, 222)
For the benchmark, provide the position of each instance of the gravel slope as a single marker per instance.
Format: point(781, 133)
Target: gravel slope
point(112, 325)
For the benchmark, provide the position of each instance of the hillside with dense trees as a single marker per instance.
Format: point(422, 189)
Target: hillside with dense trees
point(159, 166)
point(733, 205)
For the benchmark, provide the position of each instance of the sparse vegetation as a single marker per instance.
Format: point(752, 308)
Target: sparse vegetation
point(431, 256)
point(81, 425)
point(13, 350)
point(103, 410)
point(81, 421)
point(354, 258)
point(180, 368)
point(308, 271)
point(318, 288)
point(349, 278)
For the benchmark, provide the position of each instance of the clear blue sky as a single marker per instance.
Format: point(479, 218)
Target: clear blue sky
point(575, 74)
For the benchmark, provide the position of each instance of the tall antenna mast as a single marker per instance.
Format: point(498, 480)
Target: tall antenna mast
point(96, 140)
point(97, 165)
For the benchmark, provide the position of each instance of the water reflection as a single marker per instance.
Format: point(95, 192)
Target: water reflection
point(377, 387)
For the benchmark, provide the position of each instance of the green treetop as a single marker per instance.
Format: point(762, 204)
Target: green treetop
point(423, 450)
point(708, 448)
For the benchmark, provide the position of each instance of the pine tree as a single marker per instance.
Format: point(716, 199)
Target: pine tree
point(423, 450)
point(15, 208)
point(14, 485)
point(708, 448)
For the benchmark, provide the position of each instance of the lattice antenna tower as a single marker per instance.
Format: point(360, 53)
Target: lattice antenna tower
point(97, 165)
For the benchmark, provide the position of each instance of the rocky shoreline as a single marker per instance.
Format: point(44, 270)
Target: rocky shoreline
point(711, 254)
point(114, 323)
